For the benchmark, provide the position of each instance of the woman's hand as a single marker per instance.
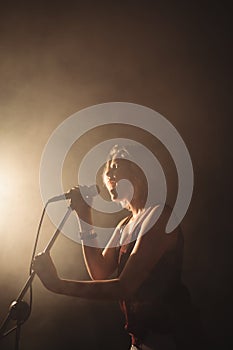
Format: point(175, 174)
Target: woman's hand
point(46, 271)
point(79, 204)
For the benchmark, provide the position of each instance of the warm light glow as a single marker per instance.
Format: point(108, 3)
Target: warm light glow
point(10, 185)
point(5, 186)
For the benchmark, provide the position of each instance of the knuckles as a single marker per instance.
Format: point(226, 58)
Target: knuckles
point(77, 200)
point(40, 261)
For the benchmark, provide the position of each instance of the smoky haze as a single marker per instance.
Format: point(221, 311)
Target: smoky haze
point(56, 60)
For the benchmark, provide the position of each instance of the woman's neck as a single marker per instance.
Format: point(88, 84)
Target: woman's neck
point(134, 209)
point(133, 206)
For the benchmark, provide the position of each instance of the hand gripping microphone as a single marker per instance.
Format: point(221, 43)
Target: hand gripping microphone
point(86, 191)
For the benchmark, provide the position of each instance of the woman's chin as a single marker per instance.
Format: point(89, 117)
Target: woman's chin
point(121, 201)
point(118, 199)
point(115, 197)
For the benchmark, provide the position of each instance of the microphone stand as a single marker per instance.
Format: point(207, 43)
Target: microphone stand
point(19, 310)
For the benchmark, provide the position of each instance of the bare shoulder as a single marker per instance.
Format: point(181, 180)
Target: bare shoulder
point(152, 243)
point(153, 236)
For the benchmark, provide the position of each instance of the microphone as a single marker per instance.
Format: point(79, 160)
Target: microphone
point(86, 191)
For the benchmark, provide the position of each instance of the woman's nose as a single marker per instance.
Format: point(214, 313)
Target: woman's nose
point(110, 173)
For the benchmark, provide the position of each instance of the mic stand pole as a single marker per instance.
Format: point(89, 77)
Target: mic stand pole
point(19, 310)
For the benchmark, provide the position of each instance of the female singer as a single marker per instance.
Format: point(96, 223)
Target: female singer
point(147, 263)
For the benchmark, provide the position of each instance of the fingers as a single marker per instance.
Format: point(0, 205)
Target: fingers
point(43, 265)
point(75, 190)
point(41, 261)
point(46, 271)
point(76, 197)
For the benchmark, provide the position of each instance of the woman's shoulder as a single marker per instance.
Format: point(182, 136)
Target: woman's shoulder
point(155, 224)
point(161, 213)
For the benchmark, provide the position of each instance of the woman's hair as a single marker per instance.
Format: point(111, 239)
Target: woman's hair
point(119, 152)
point(135, 175)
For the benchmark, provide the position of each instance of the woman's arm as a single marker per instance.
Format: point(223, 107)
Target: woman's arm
point(146, 253)
point(100, 289)
point(100, 264)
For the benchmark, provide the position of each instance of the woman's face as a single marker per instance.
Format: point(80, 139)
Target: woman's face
point(115, 177)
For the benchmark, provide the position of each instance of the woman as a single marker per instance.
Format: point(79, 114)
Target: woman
point(148, 262)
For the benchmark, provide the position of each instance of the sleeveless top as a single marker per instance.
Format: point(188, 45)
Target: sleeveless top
point(160, 304)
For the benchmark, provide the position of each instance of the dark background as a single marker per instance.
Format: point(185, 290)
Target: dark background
point(57, 58)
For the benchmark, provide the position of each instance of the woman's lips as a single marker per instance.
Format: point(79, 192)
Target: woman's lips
point(111, 184)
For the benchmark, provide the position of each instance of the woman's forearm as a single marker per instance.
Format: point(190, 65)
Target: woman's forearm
point(94, 261)
point(92, 254)
point(112, 289)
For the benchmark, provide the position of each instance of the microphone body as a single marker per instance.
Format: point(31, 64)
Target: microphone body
point(86, 191)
